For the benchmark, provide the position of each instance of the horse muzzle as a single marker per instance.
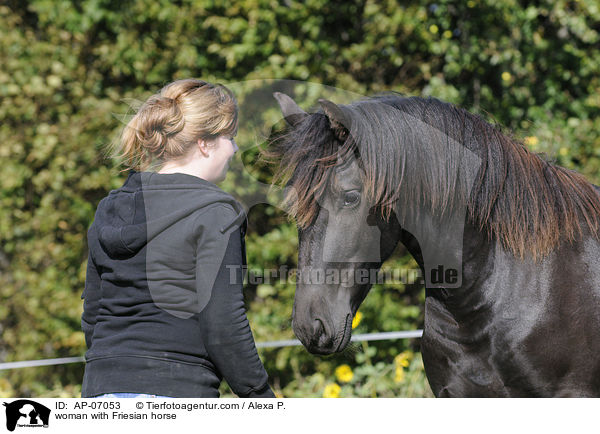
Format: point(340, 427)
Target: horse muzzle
point(320, 336)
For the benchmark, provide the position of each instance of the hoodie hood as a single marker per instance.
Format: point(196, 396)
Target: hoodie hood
point(148, 203)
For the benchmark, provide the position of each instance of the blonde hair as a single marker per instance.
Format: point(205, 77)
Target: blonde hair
point(170, 122)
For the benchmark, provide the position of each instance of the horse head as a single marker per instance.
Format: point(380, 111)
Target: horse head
point(343, 240)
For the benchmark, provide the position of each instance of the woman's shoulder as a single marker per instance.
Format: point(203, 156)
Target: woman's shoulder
point(221, 216)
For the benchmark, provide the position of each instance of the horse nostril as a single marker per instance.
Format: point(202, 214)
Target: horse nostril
point(319, 328)
point(320, 335)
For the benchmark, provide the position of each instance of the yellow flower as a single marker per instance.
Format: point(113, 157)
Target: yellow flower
point(399, 377)
point(447, 34)
point(344, 373)
point(506, 76)
point(531, 141)
point(403, 359)
point(563, 151)
point(332, 390)
point(356, 319)
point(433, 28)
point(5, 388)
point(471, 4)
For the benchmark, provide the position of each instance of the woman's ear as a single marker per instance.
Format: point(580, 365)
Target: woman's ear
point(204, 146)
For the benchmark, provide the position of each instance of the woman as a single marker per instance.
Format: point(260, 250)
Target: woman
point(163, 304)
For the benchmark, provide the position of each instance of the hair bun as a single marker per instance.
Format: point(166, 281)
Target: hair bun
point(163, 119)
point(171, 121)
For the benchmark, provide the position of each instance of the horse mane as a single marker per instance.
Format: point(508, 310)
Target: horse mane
point(408, 153)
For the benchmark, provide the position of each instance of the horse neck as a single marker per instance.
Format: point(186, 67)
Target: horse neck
point(450, 244)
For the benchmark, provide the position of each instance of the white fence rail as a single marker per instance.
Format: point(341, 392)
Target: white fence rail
point(271, 344)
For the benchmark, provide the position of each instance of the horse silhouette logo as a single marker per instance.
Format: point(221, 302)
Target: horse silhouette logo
point(26, 413)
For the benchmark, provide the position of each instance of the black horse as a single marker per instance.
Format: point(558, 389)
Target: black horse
point(507, 242)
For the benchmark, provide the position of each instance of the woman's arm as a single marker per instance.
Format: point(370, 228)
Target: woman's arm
point(91, 297)
point(225, 328)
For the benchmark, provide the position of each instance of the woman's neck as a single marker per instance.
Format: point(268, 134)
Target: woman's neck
point(192, 168)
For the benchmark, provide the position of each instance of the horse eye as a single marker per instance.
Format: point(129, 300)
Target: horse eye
point(351, 198)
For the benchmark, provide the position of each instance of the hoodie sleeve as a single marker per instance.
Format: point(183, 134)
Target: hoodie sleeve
point(91, 299)
point(224, 325)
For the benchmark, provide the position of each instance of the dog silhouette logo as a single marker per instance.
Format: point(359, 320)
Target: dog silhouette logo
point(26, 413)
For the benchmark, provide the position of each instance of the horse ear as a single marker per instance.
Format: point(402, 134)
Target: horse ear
point(339, 122)
point(292, 113)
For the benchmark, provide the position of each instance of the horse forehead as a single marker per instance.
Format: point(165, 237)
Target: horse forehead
point(346, 175)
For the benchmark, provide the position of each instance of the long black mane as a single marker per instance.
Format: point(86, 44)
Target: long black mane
point(417, 152)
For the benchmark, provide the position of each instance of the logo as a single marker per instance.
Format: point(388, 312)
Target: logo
point(26, 413)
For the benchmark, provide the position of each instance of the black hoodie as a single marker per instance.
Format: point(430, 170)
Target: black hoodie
point(163, 304)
